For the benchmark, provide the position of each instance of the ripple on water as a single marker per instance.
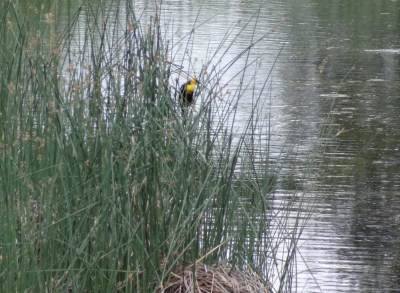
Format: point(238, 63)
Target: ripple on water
point(383, 51)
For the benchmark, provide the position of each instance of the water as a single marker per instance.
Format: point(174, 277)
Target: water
point(329, 65)
point(350, 72)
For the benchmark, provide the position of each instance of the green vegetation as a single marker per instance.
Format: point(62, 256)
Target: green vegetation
point(104, 186)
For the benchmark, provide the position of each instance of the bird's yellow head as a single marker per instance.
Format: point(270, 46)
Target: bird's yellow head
point(191, 86)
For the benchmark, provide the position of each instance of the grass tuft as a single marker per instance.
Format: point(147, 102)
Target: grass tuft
point(105, 186)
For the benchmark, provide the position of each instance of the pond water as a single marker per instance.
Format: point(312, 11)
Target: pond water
point(328, 75)
point(332, 65)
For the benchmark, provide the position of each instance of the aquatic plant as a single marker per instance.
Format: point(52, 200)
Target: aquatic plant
point(104, 185)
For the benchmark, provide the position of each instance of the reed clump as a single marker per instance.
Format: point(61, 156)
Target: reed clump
point(105, 185)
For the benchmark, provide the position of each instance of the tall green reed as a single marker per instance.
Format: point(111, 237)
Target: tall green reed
point(105, 184)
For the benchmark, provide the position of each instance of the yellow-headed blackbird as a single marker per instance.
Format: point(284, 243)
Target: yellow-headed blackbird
point(186, 92)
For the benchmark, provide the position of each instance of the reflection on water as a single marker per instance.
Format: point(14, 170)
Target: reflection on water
point(332, 72)
point(353, 240)
point(331, 66)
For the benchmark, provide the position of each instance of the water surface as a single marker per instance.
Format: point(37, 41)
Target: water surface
point(328, 79)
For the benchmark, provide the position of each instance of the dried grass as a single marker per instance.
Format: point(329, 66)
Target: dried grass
point(219, 278)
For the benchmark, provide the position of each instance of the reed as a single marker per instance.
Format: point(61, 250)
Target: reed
point(105, 186)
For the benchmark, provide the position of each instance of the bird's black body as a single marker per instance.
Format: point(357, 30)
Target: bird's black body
point(186, 93)
point(186, 97)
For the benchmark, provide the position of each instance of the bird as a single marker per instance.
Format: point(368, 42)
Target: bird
point(186, 92)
